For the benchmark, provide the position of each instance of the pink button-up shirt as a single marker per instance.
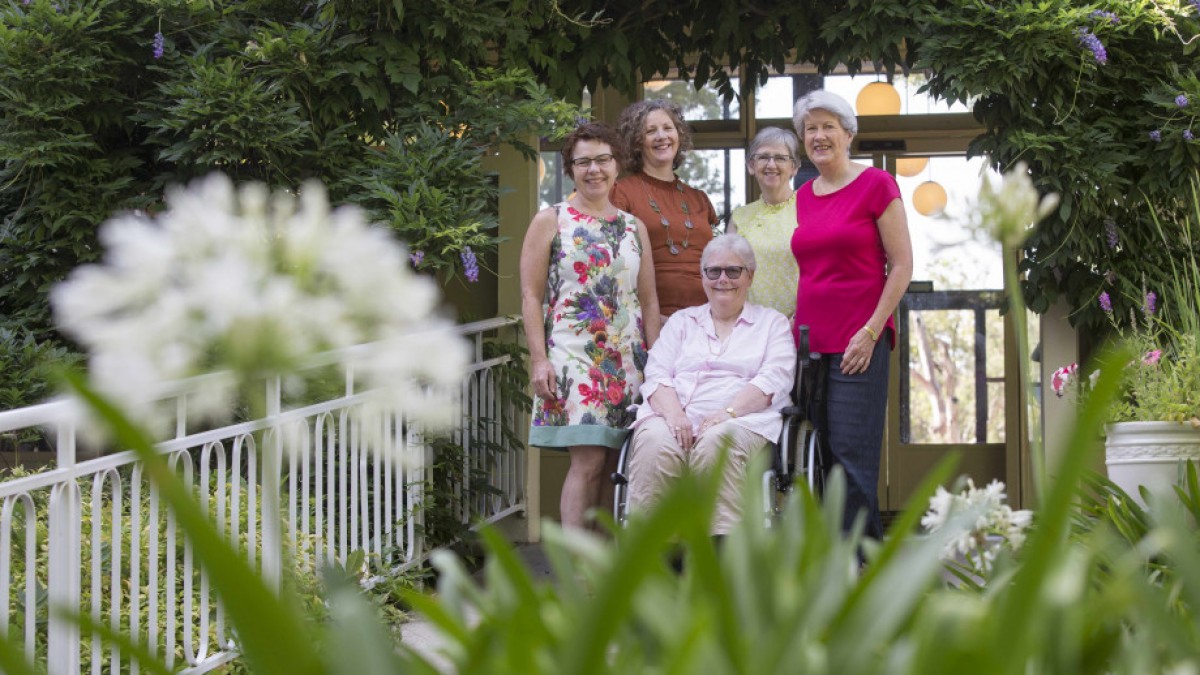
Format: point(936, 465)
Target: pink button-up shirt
point(706, 374)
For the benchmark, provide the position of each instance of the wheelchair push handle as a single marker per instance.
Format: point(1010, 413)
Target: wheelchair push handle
point(801, 358)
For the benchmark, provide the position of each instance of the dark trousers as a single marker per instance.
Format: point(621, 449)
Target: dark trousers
point(853, 426)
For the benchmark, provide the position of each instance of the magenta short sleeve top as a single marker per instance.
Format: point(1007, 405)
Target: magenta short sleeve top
point(842, 262)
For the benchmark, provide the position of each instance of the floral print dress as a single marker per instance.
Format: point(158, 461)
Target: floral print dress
point(594, 336)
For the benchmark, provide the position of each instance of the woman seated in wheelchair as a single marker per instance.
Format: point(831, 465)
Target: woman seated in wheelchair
point(717, 378)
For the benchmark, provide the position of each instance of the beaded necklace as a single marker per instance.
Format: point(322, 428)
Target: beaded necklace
point(687, 215)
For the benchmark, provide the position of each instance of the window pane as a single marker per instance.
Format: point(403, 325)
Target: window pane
point(994, 343)
point(942, 368)
point(705, 104)
point(911, 102)
point(553, 186)
point(995, 412)
point(945, 250)
point(721, 174)
point(775, 98)
point(1033, 409)
point(948, 398)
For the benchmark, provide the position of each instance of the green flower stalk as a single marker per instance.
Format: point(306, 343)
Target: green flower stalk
point(1007, 214)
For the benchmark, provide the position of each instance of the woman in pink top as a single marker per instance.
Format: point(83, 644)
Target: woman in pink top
point(719, 373)
point(852, 247)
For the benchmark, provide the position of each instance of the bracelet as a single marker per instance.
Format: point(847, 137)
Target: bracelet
point(873, 334)
point(731, 411)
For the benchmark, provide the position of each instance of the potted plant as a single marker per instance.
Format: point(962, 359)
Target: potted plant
point(1154, 427)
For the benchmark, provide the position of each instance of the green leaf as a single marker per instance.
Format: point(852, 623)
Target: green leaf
point(12, 659)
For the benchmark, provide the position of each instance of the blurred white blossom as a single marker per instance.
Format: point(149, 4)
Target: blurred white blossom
point(246, 284)
point(1008, 212)
point(997, 525)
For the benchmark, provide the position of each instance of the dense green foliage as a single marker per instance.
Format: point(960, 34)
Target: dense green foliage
point(29, 367)
point(1086, 126)
point(96, 117)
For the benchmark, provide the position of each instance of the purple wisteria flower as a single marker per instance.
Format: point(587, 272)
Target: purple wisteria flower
point(1195, 5)
point(1188, 135)
point(1110, 233)
point(1105, 302)
point(1108, 16)
point(1156, 136)
point(1181, 100)
point(1151, 303)
point(416, 258)
point(159, 43)
point(470, 264)
point(1088, 39)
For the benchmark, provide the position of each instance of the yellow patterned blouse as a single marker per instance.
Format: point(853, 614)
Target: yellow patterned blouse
point(768, 228)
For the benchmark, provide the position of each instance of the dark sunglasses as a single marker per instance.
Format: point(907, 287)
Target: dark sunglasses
point(714, 273)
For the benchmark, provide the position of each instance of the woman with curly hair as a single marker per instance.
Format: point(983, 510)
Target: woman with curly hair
point(678, 218)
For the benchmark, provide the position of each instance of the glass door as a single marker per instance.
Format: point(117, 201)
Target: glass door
point(954, 384)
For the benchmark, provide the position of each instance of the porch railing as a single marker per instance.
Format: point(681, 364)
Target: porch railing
point(303, 485)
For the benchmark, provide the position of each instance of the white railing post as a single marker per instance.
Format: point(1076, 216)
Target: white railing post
point(63, 590)
point(65, 453)
point(272, 462)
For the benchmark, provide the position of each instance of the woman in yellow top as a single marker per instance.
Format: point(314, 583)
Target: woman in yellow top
point(768, 223)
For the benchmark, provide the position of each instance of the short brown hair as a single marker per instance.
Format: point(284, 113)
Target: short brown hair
point(632, 123)
point(593, 131)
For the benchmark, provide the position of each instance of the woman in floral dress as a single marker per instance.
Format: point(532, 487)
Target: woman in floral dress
point(590, 313)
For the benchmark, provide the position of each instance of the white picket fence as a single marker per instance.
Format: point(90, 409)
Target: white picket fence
point(297, 488)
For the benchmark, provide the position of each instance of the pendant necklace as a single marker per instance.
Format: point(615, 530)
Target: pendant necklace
point(687, 215)
point(721, 343)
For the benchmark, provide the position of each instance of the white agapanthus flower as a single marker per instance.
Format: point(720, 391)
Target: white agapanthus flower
point(997, 525)
point(247, 284)
point(1008, 212)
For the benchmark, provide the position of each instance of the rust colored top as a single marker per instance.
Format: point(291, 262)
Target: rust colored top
point(676, 275)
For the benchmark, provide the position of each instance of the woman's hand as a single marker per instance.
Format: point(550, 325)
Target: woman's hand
point(857, 357)
point(713, 420)
point(544, 381)
point(681, 429)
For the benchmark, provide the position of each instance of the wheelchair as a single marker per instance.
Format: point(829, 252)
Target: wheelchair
point(799, 454)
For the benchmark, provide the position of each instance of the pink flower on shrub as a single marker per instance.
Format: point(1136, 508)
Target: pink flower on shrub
point(1061, 377)
point(1152, 357)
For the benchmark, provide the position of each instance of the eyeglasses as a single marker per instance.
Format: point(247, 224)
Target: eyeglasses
point(714, 273)
point(585, 162)
point(762, 160)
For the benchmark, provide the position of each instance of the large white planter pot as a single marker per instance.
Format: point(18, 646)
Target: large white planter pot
point(1150, 454)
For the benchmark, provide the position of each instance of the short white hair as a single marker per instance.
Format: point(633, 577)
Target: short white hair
point(731, 243)
point(771, 135)
point(828, 101)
